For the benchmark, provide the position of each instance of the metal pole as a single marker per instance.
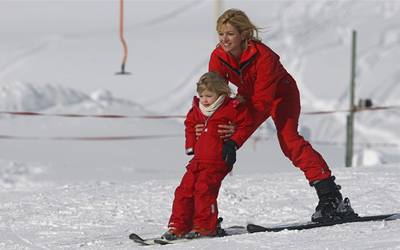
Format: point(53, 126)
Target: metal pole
point(217, 8)
point(217, 11)
point(350, 116)
point(121, 37)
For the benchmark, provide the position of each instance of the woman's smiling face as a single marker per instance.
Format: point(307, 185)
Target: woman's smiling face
point(230, 39)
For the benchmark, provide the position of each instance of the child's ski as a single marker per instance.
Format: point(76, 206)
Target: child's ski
point(234, 230)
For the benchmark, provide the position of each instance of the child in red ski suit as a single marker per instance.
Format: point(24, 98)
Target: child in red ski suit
point(194, 210)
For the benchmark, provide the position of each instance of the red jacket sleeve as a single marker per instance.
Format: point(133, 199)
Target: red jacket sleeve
point(190, 134)
point(214, 65)
point(244, 125)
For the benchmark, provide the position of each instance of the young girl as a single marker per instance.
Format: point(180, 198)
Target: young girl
point(194, 210)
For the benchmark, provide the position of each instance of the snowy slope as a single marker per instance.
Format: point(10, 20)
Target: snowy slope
point(62, 189)
point(100, 215)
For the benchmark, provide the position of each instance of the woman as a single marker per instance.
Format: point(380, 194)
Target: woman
point(269, 90)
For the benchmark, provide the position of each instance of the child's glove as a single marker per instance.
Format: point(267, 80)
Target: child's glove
point(229, 152)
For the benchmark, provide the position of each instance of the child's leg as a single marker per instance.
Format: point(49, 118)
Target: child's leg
point(183, 205)
point(205, 197)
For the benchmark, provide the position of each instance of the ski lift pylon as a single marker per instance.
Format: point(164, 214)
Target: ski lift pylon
point(121, 36)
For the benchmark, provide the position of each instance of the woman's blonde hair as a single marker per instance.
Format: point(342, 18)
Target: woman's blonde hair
point(213, 82)
point(241, 22)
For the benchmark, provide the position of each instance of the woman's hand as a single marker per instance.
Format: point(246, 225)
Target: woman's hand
point(226, 130)
point(198, 128)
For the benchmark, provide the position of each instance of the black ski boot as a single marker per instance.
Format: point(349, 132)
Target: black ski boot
point(220, 231)
point(331, 205)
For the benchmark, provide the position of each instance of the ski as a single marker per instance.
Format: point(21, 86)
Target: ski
point(253, 228)
point(144, 242)
point(234, 230)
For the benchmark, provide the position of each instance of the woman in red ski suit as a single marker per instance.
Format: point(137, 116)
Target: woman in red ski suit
point(195, 203)
point(270, 91)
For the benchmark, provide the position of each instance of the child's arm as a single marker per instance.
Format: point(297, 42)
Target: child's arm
point(190, 133)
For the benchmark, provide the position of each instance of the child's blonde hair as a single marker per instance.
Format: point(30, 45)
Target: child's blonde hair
point(241, 22)
point(213, 82)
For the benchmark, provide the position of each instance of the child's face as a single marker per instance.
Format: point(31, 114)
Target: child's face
point(207, 98)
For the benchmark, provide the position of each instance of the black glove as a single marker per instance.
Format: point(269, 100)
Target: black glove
point(229, 152)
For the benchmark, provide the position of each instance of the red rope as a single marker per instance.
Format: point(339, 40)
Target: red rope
point(111, 116)
point(89, 138)
point(108, 116)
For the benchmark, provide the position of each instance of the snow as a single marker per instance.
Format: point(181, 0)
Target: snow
point(100, 215)
point(368, 157)
point(61, 189)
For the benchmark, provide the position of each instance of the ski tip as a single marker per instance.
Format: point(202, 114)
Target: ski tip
point(135, 237)
point(393, 217)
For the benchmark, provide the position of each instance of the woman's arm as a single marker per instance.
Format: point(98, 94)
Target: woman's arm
point(244, 125)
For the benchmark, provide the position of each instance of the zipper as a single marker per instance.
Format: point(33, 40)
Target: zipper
point(241, 77)
point(205, 119)
point(205, 123)
point(209, 117)
point(242, 67)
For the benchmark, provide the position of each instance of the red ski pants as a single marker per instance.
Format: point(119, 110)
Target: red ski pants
point(195, 202)
point(285, 114)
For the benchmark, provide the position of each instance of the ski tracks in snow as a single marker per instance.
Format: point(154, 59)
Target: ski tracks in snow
point(302, 50)
point(19, 241)
point(25, 54)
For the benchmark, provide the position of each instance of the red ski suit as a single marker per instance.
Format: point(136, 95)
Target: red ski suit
point(269, 90)
point(195, 202)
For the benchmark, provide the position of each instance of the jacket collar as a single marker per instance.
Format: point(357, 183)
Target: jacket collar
point(247, 54)
point(196, 102)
